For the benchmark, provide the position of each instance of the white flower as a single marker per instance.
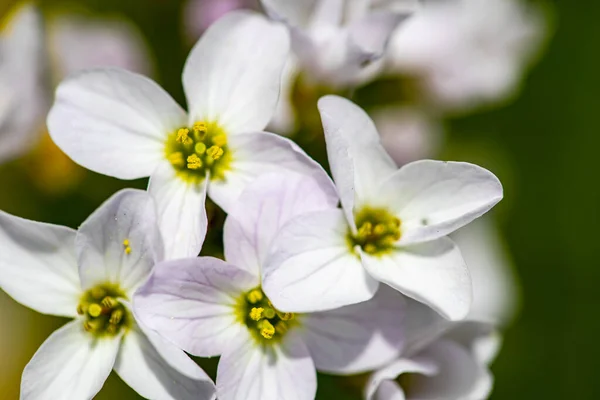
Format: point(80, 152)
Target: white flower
point(442, 361)
point(337, 42)
point(209, 307)
point(124, 125)
point(91, 275)
point(23, 100)
point(468, 51)
point(391, 228)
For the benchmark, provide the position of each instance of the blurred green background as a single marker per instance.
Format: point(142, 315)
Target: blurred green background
point(543, 146)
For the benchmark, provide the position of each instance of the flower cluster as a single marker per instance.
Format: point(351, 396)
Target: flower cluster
point(345, 274)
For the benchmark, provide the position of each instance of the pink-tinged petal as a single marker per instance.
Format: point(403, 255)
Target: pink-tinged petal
point(192, 303)
point(311, 266)
point(369, 36)
point(71, 364)
point(481, 339)
point(181, 212)
point(433, 273)
point(260, 153)
point(358, 160)
point(38, 265)
point(434, 198)
point(156, 369)
point(233, 74)
point(120, 242)
point(114, 122)
point(278, 371)
point(381, 385)
point(262, 210)
point(357, 338)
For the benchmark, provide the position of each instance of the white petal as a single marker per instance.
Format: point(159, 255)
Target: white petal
point(378, 386)
point(423, 326)
point(281, 371)
point(232, 75)
point(295, 13)
point(78, 43)
point(481, 339)
point(114, 122)
point(260, 153)
point(358, 160)
point(71, 364)
point(371, 34)
point(433, 273)
point(311, 266)
point(192, 303)
point(181, 212)
point(460, 376)
point(262, 210)
point(434, 198)
point(359, 337)
point(129, 215)
point(158, 370)
point(38, 265)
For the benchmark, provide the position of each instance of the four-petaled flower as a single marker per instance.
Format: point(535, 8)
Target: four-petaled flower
point(90, 275)
point(209, 307)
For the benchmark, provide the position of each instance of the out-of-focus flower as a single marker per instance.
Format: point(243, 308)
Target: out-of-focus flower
point(23, 96)
point(467, 52)
point(90, 275)
point(200, 14)
point(407, 134)
point(218, 146)
point(452, 367)
point(76, 43)
point(392, 227)
point(265, 353)
point(337, 42)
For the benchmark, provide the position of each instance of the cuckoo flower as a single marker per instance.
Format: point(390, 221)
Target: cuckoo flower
point(22, 97)
point(90, 276)
point(337, 41)
point(124, 125)
point(209, 307)
point(391, 228)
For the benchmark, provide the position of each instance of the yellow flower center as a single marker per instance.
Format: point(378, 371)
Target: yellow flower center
point(377, 231)
point(265, 322)
point(104, 314)
point(197, 151)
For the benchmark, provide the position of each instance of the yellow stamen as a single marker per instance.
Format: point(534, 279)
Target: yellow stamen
point(256, 313)
point(109, 302)
point(370, 248)
point(379, 229)
point(98, 293)
point(365, 230)
point(194, 162)
point(182, 136)
point(255, 296)
point(82, 309)
point(200, 128)
point(215, 152)
point(93, 325)
point(281, 327)
point(95, 310)
point(176, 159)
point(127, 246)
point(200, 148)
point(220, 140)
point(285, 316)
point(116, 317)
point(267, 330)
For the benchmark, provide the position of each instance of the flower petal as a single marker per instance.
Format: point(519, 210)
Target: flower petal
point(70, 364)
point(281, 371)
point(192, 303)
point(433, 273)
point(259, 153)
point(434, 198)
point(422, 326)
point(38, 265)
point(294, 13)
point(311, 266)
point(156, 369)
point(358, 160)
point(481, 339)
point(181, 212)
point(114, 122)
point(233, 74)
point(379, 387)
point(357, 338)
point(120, 242)
point(370, 35)
point(262, 210)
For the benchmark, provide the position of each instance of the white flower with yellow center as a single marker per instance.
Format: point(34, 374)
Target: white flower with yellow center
point(124, 125)
point(209, 307)
point(392, 227)
point(90, 275)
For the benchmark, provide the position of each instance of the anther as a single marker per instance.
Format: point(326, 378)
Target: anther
point(219, 140)
point(98, 293)
point(281, 327)
point(267, 330)
point(215, 152)
point(200, 128)
point(379, 229)
point(109, 302)
point(285, 316)
point(116, 317)
point(370, 248)
point(255, 296)
point(93, 325)
point(94, 310)
point(256, 313)
point(365, 230)
point(82, 309)
point(194, 162)
point(176, 159)
point(182, 136)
